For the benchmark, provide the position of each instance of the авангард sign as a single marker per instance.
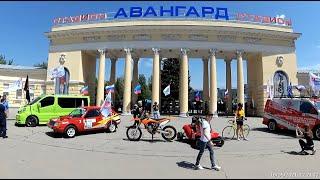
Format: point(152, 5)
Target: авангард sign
point(174, 12)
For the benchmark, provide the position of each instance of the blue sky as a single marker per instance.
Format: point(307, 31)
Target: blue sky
point(24, 23)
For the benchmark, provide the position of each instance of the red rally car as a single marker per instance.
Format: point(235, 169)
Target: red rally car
point(84, 119)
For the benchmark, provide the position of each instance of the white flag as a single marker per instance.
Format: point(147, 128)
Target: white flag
point(166, 90)
point(57, 72)
point(106, 106)
point(314, 83)
point(226, 93)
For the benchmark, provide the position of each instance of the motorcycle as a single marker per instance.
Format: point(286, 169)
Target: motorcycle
point(153, 126)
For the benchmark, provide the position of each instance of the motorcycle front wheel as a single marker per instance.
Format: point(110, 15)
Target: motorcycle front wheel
point(170, 133)
point(134, 133)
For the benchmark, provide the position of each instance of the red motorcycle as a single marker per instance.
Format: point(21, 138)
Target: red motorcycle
point(192, 133)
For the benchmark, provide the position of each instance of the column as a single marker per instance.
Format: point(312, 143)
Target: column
point(213, 84)
point(127, 83)
point(156, 77)
point(113, 70)
point(183, 93)
point(240, 82)
point(100, 87)
point(229, 85)
point(205, 79)
point(135, 77)
point(113, 74)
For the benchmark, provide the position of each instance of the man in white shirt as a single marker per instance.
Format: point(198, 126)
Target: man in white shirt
point(205, 142)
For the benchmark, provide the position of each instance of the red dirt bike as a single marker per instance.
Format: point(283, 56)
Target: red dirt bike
point(192, 133)
point(153, 126)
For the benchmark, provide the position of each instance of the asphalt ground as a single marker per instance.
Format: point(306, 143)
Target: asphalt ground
point(37, 153)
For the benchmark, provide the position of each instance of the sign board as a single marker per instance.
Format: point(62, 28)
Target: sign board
point(173, 12)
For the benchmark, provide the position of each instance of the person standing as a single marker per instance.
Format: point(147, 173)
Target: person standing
point(5, 102)
point(3, 120)
point(156, 113)
point(239, 118)
point(206, 143)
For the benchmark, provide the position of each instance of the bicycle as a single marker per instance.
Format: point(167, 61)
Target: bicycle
point(229, 131)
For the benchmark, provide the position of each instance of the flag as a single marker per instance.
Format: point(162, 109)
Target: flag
point(137, 89)
point(26, 88)
point(109, 88)
point(226, 93)
point(106, 105)
point(57, 72)
point(300, 87)
point(197, 96)
point(84, 90)
point(289, 89)
point(270, 90)
point(166, 90)
point(314, 83)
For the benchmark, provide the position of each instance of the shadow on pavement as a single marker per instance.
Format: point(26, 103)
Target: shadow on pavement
point(295, 153)
point(54, 135)
point(186, 165)
point(59, 135)
point(149, 140)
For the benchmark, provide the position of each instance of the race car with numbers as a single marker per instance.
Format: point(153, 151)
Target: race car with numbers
point(84, 119)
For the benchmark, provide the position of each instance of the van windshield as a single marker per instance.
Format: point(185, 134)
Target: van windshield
point(35, 100)
point(77, 112)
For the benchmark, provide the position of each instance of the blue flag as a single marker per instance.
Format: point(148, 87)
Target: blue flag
point(197, 96)
point(290, 93)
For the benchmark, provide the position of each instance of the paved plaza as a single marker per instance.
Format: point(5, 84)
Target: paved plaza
point(37, 153)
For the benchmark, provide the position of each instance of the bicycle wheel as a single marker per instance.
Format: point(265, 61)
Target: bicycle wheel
point(228, 132)
point(246, 130)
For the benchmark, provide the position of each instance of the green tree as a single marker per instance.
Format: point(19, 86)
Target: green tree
point(119, 85)
point(170, 73)
point(3, 60)
point(145, 89)
point(43, 65)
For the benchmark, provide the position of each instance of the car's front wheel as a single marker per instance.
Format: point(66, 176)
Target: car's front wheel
point(112, 127)
point(32, 121)
point(272, 126)
point(70, 131)
point(316, 132)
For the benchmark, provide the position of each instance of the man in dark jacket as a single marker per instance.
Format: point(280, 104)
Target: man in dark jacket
point(3, 121)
